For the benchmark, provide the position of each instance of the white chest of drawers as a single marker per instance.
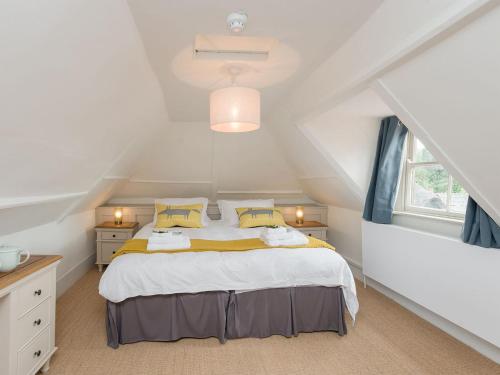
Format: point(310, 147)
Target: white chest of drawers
point(27, 316)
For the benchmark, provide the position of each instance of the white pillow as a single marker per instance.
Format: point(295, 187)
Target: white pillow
point(184, 201)
point(228, 212)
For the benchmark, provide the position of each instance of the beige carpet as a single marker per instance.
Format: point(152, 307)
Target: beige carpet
point(387, 339)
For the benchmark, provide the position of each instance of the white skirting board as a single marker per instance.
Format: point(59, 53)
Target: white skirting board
point(478, 344)
point(74, 274)
point(462, 335)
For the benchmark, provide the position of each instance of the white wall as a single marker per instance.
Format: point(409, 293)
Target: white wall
point(342, 138)
point(435, 225)
point(73, 239)
point(455, 280)
point(311, 167)
point(344, 232)
point(333, 152)
point(347, 134)
point(190, 159)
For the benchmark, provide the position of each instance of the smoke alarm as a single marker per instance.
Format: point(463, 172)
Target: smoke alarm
point(236, 21)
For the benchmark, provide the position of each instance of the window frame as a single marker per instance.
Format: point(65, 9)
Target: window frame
point(407, 171)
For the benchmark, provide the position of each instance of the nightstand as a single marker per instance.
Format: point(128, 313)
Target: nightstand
point(110, 237)
point(311, 228)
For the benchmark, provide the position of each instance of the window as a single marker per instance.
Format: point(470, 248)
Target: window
point(427, 187)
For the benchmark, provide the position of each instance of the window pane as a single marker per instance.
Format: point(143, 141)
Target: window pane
point(420, 153)
point(458, 201)
point(430, 187)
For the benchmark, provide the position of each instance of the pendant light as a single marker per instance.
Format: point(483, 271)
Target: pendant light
point(235, 109)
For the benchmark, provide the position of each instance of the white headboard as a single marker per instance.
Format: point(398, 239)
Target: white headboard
point(144, 214)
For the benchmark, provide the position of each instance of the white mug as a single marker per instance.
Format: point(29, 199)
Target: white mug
point(10, 257)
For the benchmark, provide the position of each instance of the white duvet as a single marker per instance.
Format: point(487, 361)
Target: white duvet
point(132, 275)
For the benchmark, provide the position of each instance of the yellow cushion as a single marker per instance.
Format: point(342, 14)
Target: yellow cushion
point(188, 216)
point(259, 217)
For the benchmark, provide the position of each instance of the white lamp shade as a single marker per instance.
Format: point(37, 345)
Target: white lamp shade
point(235, 109)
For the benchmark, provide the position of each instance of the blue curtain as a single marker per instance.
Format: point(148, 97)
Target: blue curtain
point(480, 229)
point(385, 177)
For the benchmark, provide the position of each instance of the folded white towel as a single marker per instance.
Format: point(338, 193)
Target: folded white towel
point(162, 235)
point(162, 232)
point(171, 239)
point(275, 231)
point(278, 236)
point(153, 241)
point(292, 242)
point(293, 238)
point(182, 242)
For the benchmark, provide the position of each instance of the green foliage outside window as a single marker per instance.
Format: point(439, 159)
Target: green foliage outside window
point(430, 182)
point(433, 179)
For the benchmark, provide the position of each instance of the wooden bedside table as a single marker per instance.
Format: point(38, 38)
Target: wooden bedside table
point(311, 228)
point(110, 237)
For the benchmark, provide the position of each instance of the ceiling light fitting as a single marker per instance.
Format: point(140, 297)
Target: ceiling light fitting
point(236, 21)
point(235, 110)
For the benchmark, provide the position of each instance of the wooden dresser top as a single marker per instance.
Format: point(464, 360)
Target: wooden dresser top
point(35, 263)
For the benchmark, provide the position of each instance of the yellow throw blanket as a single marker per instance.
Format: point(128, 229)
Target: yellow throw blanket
point(140, 246)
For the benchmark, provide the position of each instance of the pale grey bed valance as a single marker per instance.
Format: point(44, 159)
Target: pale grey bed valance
point(226, 315)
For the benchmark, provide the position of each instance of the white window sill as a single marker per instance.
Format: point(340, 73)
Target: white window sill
point(430, 217)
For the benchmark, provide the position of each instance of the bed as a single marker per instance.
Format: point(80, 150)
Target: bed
point(227, 295)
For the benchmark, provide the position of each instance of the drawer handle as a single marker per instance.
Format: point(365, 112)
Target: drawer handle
point(114, 235)
point(37, 322)
point(38, 292)
point(38, 353)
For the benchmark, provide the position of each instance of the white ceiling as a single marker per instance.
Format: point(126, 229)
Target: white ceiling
point(314, 29)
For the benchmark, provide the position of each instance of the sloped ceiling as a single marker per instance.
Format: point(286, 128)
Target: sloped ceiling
point(333, 152)
point(389, 41)
point(314, 29)
point(347, 135)
point(76, 91)
point(396, 30)
point(84, 115)
point(448, 96)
